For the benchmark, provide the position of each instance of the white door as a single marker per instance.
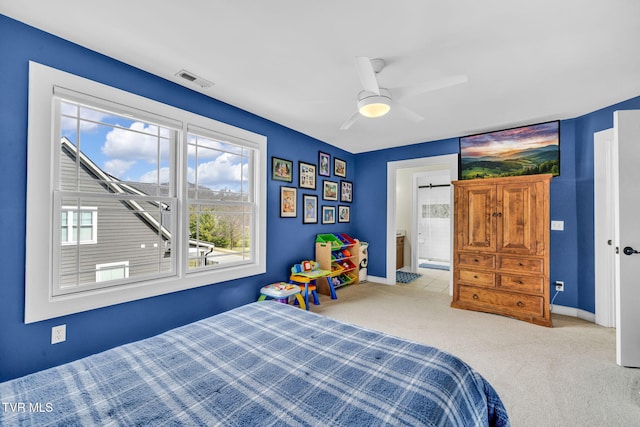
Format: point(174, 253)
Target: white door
point(627, 138)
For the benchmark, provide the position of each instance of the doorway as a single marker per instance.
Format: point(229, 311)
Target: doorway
point(616, 232)
point(432, 212)
point(399, 200)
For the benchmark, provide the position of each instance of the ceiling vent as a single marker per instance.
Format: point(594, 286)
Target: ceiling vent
point(193, 79)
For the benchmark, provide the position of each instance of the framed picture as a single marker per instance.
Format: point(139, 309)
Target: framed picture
point(339, 167)
point(310, 206)
point(324, 164)
point(288, 198)
point(328, 214)
point(306, 175)
point(281, 169)
point(344, 213)
point(329, 190)
point(346, 191)
point(526, 150)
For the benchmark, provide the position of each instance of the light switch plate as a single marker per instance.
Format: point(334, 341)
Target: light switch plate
point(557, 225)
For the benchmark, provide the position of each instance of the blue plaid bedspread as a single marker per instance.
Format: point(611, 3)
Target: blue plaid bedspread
point(263, 364)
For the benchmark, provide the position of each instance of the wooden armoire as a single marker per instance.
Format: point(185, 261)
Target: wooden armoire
point(501, 247)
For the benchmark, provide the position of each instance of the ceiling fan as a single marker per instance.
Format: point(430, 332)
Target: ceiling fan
point(375, 101)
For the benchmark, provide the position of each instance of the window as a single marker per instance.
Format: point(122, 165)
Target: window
point(123, 162)
point(78, 226)
point(112, 271)
point(220, 204)
point(180, 198)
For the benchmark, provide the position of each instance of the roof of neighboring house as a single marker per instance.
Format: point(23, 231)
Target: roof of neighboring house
point(115, 185)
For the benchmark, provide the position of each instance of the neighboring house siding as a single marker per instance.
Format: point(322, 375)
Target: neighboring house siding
point(122, 234)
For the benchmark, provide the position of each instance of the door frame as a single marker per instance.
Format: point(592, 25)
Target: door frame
point(450, 160)
point(604, 216)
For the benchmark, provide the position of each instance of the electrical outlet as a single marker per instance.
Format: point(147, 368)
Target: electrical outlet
point(559, 286)
point(58, 334)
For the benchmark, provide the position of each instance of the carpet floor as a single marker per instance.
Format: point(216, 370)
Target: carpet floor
point(561, 376)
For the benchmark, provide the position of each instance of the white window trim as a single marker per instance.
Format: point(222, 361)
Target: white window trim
point(40, 303)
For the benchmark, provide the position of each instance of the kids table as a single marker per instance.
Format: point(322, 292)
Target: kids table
point(307, 279)
point(281, 292)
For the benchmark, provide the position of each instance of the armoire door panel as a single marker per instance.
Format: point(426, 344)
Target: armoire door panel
point(478, 220)
point(517, 225)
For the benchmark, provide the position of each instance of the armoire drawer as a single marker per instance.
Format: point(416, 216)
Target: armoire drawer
point(477, 260)
point(528, 265)
point(478, 278)
point(531, 284)
point(502, 302)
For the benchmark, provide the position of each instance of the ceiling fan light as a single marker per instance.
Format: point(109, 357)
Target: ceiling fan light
point(374, 106)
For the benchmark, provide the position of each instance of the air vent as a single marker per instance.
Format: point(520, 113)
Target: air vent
point(192, 78)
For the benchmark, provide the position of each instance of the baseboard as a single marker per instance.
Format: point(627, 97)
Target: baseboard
point(574, 312)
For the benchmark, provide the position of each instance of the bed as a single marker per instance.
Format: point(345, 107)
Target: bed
point(264, 363)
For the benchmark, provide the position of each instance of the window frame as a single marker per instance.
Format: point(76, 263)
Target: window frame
point(40, 303)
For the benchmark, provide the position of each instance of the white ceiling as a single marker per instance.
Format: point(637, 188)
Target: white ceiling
point(292, 61)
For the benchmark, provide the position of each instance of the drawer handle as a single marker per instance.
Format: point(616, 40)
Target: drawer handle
point(476, 297)
point(476, 260)
point(520, 304)
point(520, 264)
point(519, 282)
point(475, 276)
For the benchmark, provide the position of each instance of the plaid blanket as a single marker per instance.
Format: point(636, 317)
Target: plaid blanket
point(261, 364)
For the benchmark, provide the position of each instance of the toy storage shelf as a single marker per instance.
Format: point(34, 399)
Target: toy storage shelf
point(339, 254)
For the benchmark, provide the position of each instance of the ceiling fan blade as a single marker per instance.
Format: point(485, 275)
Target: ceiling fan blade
point(351, 120)
point(408, 113)
point(404, 92)
point(367, 75)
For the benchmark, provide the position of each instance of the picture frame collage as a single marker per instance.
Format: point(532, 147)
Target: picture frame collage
point(332, 189)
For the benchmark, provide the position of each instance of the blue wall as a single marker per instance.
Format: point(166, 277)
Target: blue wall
point(27, 348)
point(571, 201)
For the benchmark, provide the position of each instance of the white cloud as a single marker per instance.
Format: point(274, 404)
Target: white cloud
point(221, 173)
point(152, 176)
point(117, 167)
point(131, 144)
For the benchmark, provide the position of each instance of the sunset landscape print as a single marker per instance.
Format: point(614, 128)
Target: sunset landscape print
point(525, 150)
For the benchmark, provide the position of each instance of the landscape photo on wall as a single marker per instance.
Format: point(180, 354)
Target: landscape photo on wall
point(526, 150)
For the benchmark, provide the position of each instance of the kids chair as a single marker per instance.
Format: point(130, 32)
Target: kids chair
point(304, 275)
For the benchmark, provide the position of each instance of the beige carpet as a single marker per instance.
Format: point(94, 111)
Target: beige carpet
point(560, 376)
